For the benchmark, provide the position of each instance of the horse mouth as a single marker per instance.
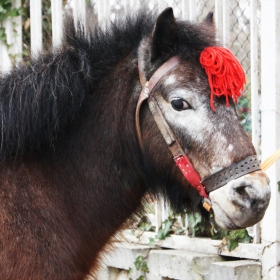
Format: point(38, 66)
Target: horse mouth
point(241, 202)
point(222, 219)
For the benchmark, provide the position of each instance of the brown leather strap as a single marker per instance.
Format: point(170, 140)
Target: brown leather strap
point(234, 171)
point(147, 88)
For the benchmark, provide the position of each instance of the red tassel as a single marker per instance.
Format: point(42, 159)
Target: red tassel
point(225, 74)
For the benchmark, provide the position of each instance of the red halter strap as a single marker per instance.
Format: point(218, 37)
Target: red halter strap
point(179, 156)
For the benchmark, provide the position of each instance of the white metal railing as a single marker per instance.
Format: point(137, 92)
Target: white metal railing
point(270, 12)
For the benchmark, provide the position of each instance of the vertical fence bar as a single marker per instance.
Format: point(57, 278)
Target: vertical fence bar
point(133, 5)
point(270, 128)
point(184, 10)
point(14, 37)
point(254, 74)
point(13, 29)
point(79, 12)
point(36, 34)
point(56, 6)
point(158, 214)
point(192, 10)
point(226, 22)
point(254, 89)
point(102, 10)
point(219, 17)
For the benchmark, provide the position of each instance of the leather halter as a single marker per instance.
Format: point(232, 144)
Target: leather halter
point(211, 182)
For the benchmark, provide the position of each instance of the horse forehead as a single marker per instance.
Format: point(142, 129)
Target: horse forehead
point(186, 75)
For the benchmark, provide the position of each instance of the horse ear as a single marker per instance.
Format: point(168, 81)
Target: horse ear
point(209, 19)
point(165, 34)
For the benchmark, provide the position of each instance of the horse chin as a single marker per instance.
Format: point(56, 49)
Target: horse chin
point(242, 202)
point(222, 219)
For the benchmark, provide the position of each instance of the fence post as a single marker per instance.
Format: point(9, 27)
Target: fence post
point(219, 17)
point(192, 10)
point(254, 73)
point(102, 10)
point(56, 6)
point(36, 35)
point(79, 12)
point(226, 22)
point(270, 62)
point(13, 29)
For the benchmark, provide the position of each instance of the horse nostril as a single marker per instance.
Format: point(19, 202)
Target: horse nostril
point(242, 191)
point(242, 196)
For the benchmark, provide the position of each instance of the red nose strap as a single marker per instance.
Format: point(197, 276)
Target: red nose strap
point(190, 174)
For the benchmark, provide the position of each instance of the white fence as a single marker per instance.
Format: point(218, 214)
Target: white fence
point(237, 27)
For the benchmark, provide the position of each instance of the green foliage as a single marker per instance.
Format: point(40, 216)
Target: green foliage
point(278, 186)
point(141, 265)
point(165, 228)
point(232, 237)
point(151, 241)
point(197, 225)
point(244, 113)
point(145, 224)
point(236, 236)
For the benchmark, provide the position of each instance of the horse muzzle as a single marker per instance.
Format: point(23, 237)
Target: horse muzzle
point(241, 202)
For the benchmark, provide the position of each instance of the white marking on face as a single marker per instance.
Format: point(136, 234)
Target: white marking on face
point(170, 80)
point(230, 148)
point(194, 121)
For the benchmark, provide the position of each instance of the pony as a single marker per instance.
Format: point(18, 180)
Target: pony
point(73, 170)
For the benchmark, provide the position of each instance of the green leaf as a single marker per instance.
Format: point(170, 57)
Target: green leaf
point(140, 278)
point(2, 10)
point(138, 262)
point(151, 241)
point(14, 13)
point(179, 231)
point(231, 244)
point(144, 267)
point(7, 5)
point(278, 186)
point(2, 31)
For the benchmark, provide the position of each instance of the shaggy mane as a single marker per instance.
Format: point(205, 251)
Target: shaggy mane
point(40, 99)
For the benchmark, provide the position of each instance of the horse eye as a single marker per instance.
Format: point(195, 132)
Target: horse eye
point(180, 104)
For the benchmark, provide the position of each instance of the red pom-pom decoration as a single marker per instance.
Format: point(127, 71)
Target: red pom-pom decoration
point(225, 74)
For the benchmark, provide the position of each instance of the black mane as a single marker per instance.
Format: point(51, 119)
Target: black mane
point(41, 99)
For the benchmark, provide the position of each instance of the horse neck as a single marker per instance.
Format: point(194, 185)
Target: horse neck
point(101, 170)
